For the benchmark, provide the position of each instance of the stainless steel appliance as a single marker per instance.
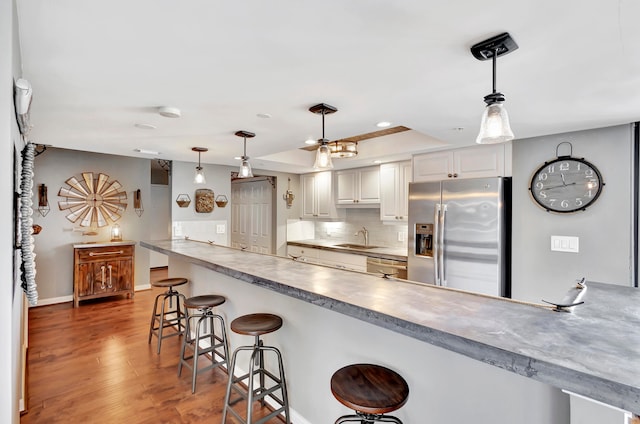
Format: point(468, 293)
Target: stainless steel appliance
point(393, 267)
point(460, 234)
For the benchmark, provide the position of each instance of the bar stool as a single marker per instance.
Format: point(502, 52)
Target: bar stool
point(256, 325)
point(371, 391)
point(162, 318)
point(218, 345)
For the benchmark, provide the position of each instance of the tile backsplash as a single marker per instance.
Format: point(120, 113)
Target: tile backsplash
point(389, 234)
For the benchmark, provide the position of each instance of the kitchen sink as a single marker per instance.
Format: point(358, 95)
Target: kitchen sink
point(355, 246)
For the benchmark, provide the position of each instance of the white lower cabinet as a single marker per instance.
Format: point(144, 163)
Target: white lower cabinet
point(493, 160)
point(328, 257)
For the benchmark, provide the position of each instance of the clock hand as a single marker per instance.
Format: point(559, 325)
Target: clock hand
point(558, 186)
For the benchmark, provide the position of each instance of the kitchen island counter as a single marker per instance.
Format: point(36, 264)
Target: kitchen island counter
point(594, 352)
point(382, 252)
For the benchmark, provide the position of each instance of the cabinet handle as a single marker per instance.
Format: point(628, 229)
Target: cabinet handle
point(110, 275)
point(119, 252)
point(455, 175)
point(102, 286)
point(449, 175)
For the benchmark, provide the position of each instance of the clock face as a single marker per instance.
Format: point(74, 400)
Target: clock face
point(566, 185)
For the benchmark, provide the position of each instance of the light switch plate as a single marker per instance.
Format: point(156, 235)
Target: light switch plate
point(565, 244)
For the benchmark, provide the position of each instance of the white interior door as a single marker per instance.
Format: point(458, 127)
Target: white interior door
point(160, 210)
point(252, 215)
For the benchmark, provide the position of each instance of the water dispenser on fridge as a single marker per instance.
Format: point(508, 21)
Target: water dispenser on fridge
point(424, 240)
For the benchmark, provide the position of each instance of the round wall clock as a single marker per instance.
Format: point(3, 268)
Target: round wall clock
point(566, 184)
point(92, 200)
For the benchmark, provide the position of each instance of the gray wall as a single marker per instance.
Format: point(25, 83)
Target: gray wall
point(53, 246)
point(219, 180)
point(11, 295)
point(604, 229)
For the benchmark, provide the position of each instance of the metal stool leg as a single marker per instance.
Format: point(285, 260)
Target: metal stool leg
point(256, 366)
point(218, 345)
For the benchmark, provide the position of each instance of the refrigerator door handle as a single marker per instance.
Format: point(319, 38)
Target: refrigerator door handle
point(436, 247)
point(443, 274)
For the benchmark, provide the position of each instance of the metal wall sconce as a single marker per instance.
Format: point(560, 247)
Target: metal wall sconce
point(183, 200)
point(288, 196)
point(137, 202)
point(43, 201)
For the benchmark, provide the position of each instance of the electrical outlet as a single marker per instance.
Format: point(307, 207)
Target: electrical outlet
point(565, 244)
point(400, 235)
point(220, 229)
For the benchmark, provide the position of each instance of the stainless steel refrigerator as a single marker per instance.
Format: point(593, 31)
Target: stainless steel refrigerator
point(460, 234)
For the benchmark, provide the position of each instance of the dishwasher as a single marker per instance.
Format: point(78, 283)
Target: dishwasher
point(394, 267)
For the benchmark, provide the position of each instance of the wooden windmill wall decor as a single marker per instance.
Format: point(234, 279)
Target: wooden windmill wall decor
point(93, 201)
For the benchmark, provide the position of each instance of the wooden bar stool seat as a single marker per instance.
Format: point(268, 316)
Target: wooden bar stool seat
point(171, 316)
point(201, 326)
point(371, 391)
point(269, 384)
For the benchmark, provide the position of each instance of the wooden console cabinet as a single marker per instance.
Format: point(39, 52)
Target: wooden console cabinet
point(102, 269)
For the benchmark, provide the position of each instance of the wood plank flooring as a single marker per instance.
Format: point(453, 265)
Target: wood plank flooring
point(93, 364)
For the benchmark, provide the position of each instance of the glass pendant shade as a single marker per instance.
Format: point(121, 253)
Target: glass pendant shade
point(495, 127)
point(323, 158)
point(245, 169)
point(199, 177)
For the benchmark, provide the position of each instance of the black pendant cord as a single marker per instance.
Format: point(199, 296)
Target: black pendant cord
point(245, 148)
point(495, 61)
point(323, 139)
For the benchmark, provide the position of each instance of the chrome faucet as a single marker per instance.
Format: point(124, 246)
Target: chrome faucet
point(365, 233)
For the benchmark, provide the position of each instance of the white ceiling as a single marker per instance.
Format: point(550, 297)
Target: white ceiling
point(98, 68)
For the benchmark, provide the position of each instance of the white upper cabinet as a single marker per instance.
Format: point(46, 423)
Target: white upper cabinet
point(317, 196)
point(358, 187)
point(394, 190)
point(493, 160)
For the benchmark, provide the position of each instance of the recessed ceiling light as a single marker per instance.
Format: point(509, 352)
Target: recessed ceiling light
point(237, 158)
point(383, 124)
point(377, 161)
point(169, 112)
point(145, 126)
point(458, 128)
point(146, 152)
point(310, 141)
point(264, 115)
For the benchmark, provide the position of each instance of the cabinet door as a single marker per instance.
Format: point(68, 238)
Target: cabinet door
point(389, 182)
point(433, 166)
point(403, 190)
point(369, 186)
point(309, 196)
point(84, 279)
point(346, 183)
point(480, 161)
point(324, 200)
point(122, 274)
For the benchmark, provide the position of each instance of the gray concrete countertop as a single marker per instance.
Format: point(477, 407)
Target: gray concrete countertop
point(392, 253)
point(594, 351)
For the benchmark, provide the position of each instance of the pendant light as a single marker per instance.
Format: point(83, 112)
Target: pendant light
point(199, 177)
point(494, 127)
point(245, 166)
point(323, 154)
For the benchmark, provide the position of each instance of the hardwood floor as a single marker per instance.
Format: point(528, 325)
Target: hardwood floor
point(93, 364)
